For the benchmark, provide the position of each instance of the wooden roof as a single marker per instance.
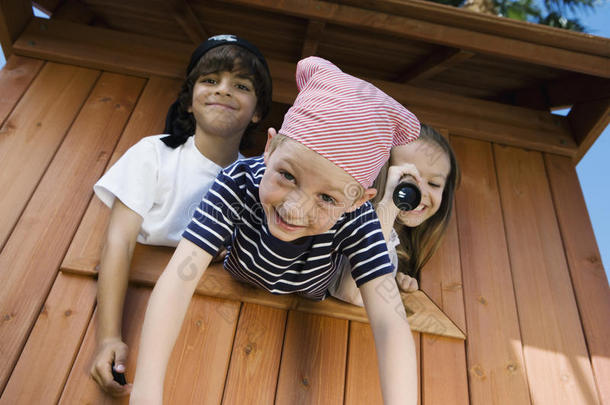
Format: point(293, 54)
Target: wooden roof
point(450, 66)
point(518, 271)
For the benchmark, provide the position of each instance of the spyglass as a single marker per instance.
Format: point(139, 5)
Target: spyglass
point(406, 194)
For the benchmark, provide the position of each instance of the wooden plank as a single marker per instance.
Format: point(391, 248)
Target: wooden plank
point(494, 348)
point(148, 118)
point(75, 11)
point(480, 119)
point(50, 219)
point(444, 377)
point(68, 42)
point(15, 78)
point(149, 261)
point(197, 367)
point(312, 370)
point(492, 24)
point(46, 360)
point(434, 64)
point(588, 120)
point(189, 22)
point(35, 129)
point(14, 16)
point(470, 40)
point(255, 360)
point(556, 358)
point(315, 29)
point(586, 269)
point(362, 385)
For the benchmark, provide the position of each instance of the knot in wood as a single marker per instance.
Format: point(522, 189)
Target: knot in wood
point(248, 349)
point(199, 323)
point(478, 372)
point(68, 312)
point(482, 300)
point(305, 381)
point(512, 368)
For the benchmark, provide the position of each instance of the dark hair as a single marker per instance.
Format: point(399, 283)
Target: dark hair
point(219, 59)
point(418, 244)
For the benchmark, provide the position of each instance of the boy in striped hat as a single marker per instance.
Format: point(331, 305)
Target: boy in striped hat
point(288, 216)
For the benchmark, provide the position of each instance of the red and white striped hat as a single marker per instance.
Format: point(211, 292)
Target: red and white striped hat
point(347, 120)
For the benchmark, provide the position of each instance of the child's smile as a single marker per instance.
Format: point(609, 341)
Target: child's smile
point(303, 193)
point(224, 103)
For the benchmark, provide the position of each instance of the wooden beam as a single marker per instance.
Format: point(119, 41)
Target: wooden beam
point(14, 17)
point(434, 64)
point(441, 34)
point(184, 15)
point(588, 121)
point(75, 11)
point(565, 92)
point(314, 32)
point(139, 55)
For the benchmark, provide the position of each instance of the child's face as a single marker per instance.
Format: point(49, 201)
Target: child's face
point(224, 103)
point(433, 165)
point(303, 193)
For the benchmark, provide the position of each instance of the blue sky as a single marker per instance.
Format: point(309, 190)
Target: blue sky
point(594, 169)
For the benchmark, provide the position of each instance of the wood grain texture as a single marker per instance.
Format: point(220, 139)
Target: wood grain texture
point(556, 358)
point(149, 261)
point(31, 257)
point(199, 358)
point(481, 119)
point(255, 359)
point(46, 360)
point(35, 129)
point(15, 78)
point(362, 385)
point(444, 377)
point(446, 35)
point(494, 347)
point(312, 369)
point(148, 118)
point(586, 269)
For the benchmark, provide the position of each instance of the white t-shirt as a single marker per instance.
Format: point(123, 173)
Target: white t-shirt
point(343, 285)
point(161, 184)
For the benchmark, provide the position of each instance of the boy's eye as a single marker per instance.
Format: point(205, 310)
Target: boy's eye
point(287, 176)
point(327, 199)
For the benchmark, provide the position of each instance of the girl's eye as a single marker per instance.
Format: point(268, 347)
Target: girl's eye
point(327, 199)
point(243, 87)
point(207, 80)
point(287, 176)
point(434, 185)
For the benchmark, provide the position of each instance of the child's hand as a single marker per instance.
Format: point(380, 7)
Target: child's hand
point(109, 351)
point(395, 175)
point(406, 283)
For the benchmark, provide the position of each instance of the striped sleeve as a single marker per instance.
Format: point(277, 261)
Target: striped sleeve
point(365, 246)
point(213, 221)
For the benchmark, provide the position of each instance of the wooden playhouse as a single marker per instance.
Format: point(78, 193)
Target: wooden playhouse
point(518, 272)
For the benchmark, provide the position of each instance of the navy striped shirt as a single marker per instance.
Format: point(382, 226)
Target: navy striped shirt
point(230, 214)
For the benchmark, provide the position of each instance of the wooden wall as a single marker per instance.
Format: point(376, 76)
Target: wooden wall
point(518, 270)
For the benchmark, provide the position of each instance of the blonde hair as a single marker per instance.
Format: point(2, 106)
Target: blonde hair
point(418, 244)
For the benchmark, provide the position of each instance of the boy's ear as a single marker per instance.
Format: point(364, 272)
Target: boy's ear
point(271, 132)
point(368, 194)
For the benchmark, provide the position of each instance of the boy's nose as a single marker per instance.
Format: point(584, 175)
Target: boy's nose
point(298, 206)
point(224, 87)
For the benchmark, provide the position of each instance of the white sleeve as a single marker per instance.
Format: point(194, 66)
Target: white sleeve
point(132, 179)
